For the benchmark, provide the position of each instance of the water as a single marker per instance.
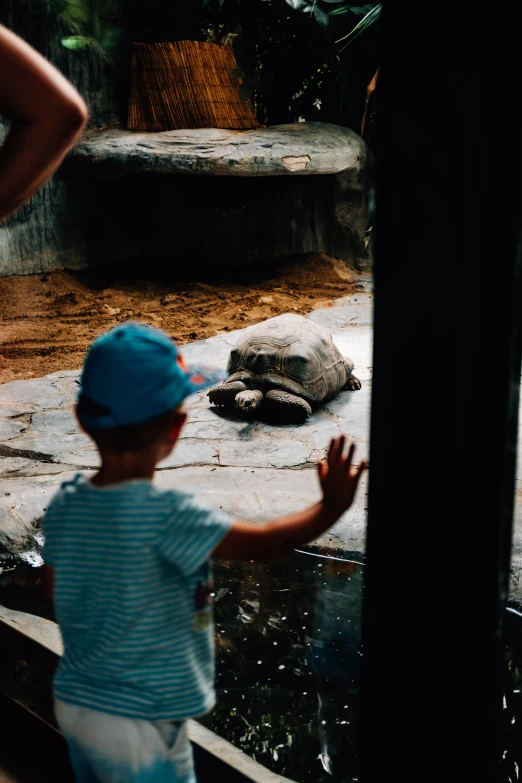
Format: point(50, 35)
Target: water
point(288, 661)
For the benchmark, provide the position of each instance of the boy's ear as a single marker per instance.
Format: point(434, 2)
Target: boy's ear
point(176, 427)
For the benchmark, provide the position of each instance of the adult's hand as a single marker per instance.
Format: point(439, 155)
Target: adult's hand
point(46, 114)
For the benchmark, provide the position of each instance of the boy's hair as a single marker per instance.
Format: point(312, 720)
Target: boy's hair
point(132, 437)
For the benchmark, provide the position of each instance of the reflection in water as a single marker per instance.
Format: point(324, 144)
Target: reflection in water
point(288, 657)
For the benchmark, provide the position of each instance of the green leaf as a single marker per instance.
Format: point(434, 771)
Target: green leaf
point(361, 26)
point(321, 17)
point(361, 10)
point(76, 42)
point(78, 12)
point(236, 73)
point(345, 9)
point(358, 10)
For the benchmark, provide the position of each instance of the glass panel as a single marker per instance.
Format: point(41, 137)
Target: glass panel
point(287, 633)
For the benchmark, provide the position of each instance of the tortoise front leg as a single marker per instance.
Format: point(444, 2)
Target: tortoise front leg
point(352, 384)
point(225, 394)
point(288, 408)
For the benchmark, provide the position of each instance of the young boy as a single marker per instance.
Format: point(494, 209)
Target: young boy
point(131, 566)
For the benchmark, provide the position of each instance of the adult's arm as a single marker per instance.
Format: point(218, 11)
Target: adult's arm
point(46, 114)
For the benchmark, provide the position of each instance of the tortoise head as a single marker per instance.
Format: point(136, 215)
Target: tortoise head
point(258, 359)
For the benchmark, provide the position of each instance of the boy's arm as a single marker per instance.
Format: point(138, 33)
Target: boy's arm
point(280, 536)
point(46, 114)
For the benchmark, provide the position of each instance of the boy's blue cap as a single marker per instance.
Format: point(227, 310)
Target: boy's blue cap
point(134, 373)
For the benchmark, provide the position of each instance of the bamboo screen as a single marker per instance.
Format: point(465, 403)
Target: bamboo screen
point(185, 84)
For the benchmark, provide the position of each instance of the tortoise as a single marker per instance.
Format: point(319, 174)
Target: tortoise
point(286, 364)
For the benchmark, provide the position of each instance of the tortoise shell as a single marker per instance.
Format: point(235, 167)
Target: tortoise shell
point(289, 352)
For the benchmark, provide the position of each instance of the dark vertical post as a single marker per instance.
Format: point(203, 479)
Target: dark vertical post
point(445, 395)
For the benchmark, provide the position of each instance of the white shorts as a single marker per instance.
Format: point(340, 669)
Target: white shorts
point(110, 749)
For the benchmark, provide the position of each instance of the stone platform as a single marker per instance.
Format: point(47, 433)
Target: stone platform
point(301, 148)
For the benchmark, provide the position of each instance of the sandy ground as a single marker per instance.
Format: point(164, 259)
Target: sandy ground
point(48, 321)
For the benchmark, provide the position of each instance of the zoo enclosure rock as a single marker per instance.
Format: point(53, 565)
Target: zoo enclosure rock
point(221, 197)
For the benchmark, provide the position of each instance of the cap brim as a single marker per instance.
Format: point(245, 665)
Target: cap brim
point(201, 377)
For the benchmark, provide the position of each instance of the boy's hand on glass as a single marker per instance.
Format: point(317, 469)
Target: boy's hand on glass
point(339, 477)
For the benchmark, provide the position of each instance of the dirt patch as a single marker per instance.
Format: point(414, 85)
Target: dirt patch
point(48, 321)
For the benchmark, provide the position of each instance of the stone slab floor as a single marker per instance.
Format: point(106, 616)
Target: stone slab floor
point(250, 469)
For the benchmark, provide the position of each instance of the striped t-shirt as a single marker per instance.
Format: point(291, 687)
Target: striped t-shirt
point(132, 598)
